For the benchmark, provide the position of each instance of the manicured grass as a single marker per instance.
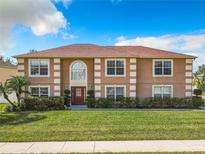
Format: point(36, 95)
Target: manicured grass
point(2, 105)
point(102, 125)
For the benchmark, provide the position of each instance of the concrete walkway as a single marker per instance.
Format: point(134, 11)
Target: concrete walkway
point(104, 146)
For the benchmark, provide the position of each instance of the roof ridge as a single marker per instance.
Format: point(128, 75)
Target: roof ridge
point(92, 50)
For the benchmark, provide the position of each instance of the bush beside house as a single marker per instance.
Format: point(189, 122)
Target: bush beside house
point(127, 102)
point(42, 103)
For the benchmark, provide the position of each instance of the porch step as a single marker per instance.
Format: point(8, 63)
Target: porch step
point(79, 107)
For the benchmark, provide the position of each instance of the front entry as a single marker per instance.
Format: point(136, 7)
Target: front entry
point(78, 95)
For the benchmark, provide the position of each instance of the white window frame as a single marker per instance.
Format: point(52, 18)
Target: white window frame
point(153, 68)
point(29, 67)
point(40, 86)
point(115, 86)
point(162, 85)
point(78, 81)
point(122, 59)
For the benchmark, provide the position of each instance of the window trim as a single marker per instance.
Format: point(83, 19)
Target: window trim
point(115, 86)
point(162, 85)
point(29, 67)
point(153, 67)
point(70, 71)
point(40, 86)
point(108, 59)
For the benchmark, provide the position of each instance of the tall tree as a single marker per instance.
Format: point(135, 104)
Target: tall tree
point(18, 85)
point(199, 78)
point(5, 91)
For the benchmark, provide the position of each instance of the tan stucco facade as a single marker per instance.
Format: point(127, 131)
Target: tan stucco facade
point(6, 73)
point(141, 75)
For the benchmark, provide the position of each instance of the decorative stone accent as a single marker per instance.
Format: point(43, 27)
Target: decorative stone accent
point(57, 93)
point(133, 79)
point(97, 94)
point(97, 81)
point(132, 74)
point(188, 77)
point(97, 75)
point(97, 87)
point(56, 60)
point(188, 74)
point(133, 67)
point(188, 87)
point(57, 77)
point(97, 60)
point(132, 94)
point(56, 67)
point(20, 67)
point(97, 67)
point(57, 74)
point(188, 67)
point(133, 60)
point(133, 87)
point(188, 81)
point(188, 93)
point(21, 73)
point(57, 87)
point(189, 61)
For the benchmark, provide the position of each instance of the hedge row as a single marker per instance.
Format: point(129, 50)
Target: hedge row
point(127, 102)
point(42, 103)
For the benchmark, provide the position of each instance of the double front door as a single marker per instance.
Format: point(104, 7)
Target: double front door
point(78, 95)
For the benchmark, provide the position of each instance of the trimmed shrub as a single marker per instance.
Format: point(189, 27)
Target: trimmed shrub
point(198, 101)
point(10, 109)
point(104, 103)
point(67, 98)
point(42, 103)
point(197, 92)
point(120, 102)
point(91, 93)
point(150, 102)
point(186, 102)
point(90, 100)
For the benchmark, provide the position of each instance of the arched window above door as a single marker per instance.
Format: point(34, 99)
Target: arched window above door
point(78, 71)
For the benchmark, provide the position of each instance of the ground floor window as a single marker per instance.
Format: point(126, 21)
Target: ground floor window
point(162, 91)
point(115, 91)
point(39, 91)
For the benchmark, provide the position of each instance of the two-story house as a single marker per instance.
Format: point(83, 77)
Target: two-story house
point(130, 71)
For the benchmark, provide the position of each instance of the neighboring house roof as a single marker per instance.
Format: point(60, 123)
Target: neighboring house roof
point(4, 64)
point(91, 51)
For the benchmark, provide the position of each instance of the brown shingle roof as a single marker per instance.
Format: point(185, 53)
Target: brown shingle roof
point(91, 50)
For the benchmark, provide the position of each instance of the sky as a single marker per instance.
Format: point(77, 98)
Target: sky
point(172, 25)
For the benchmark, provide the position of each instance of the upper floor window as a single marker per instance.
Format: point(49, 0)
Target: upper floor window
point(115, 67)
point(78, 71)
point(162, 91)
point(162, 67)
point(39, 91)
point(39, 68)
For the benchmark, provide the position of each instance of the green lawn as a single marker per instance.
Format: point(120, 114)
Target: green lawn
point(102, 125)
point(2, 105)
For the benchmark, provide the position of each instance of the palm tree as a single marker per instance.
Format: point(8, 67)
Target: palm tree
point(5, 90)
point(18, 84)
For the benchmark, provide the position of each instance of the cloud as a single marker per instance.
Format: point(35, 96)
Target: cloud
point(167, 42)
point(193, 44)
point(66, 36)
point(39, 15)
point(66, 3)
